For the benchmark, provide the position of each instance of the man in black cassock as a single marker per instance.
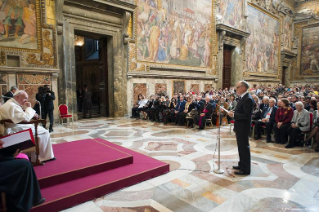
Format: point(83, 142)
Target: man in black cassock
point(18, 181)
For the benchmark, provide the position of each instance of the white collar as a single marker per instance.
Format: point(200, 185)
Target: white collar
point(241, 96)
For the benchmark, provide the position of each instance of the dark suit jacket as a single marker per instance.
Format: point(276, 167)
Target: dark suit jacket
point(48, 102)
point(243, 114)
point(272, 118)
point(8, 94)
point(180, 107)
point(87, 100)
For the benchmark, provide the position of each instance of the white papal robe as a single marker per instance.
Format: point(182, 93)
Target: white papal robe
point(13, 111)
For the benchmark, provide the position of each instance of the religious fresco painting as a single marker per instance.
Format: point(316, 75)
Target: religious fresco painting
point(195, 88)
point(175, 32)
point(208, 87)
point(310, 51)
point(161, 88)
point(31, 82)
point(178, 87)
point(3, 84)
point(286, 35)
point(18, 24)
point(138, 88)
point(263, 44)
point(230, 13)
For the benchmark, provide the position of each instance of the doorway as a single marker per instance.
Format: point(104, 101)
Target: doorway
point(283, 77)
point(227, 66)
point(91, 65)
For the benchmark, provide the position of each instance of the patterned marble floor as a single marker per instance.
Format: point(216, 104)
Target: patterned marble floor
point(281, 179)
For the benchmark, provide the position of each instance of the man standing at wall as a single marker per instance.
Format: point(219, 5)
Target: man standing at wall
point(49, 105)
point(10, 93)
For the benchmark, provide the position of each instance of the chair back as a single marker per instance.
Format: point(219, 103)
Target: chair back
point(311, 120)
point(63, 109)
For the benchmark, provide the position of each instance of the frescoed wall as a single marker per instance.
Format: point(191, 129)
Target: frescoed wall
point(175, 32)
point(287, 37)
point(18, 24)
point(310, 51)
point(230, 13)
point(263, 44)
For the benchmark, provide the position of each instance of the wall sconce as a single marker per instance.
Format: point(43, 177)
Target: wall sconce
point(78, 40)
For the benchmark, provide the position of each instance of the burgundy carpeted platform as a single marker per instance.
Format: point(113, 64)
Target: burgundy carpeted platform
point(80, 159)
point(78, 190)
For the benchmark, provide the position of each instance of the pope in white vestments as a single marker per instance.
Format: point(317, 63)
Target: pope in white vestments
point(12, 110)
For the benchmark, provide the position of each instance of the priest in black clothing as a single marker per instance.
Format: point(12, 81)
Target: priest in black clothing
point(243, 118)
point(18, 181)
point(205, 112)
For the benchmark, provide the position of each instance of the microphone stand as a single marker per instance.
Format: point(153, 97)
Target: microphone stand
point(219, 170)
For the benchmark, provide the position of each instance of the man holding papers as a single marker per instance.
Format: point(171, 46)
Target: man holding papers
point(13, 110)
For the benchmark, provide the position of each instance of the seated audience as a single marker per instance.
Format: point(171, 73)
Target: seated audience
point(205, 112)
point(283, 118)
point(135, 109)
point(18, 181)
point(315, 130)
point(12, 110)
point(180, 107)
point(299, 123)
point(256, 108)
point(181, 117)
point(267, 119)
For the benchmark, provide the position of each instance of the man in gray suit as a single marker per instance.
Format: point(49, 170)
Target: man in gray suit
point(299, 123)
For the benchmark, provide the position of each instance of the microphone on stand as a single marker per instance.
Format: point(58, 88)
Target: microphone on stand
point(6, 97)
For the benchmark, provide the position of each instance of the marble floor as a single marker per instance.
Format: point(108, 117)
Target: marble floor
point(281, 179)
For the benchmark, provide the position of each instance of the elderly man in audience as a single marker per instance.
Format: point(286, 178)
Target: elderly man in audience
point(18, 181)
point(267, 119)
point(299, 123)
point(18, 109)
point(205, 112)
point(283, 119)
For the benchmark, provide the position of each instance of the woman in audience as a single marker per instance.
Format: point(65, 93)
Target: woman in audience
point(315, 129)
point(135, 109)
point(313, 106)
point(189, 106)
point(284, 116)
point(18, 181)
point(299, 123)
point(256, 109)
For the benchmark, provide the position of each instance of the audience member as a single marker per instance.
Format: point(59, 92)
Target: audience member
point(10, 93)
point(283, 118)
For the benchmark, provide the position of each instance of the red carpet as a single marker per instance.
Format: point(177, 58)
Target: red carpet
point(80, 159)
point(78, 190)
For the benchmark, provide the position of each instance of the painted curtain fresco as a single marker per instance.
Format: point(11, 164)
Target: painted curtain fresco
point(231, 13)
point(18, 24)
point(161, 88)
point(262, 47)
point(310, 51)
point(178, 87)
point(138, 88)
point(195, 88)
point(287, 32)
point(175, 32)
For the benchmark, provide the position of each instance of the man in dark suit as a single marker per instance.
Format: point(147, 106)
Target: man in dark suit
point(243, 117)
point(267, 118)
point(49, 97)
point(180, 107)
point(87, 102)
point(10, 93)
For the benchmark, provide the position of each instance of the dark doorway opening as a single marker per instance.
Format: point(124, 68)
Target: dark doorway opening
point(91, 72)
point(283, 77)
point(227, 66)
